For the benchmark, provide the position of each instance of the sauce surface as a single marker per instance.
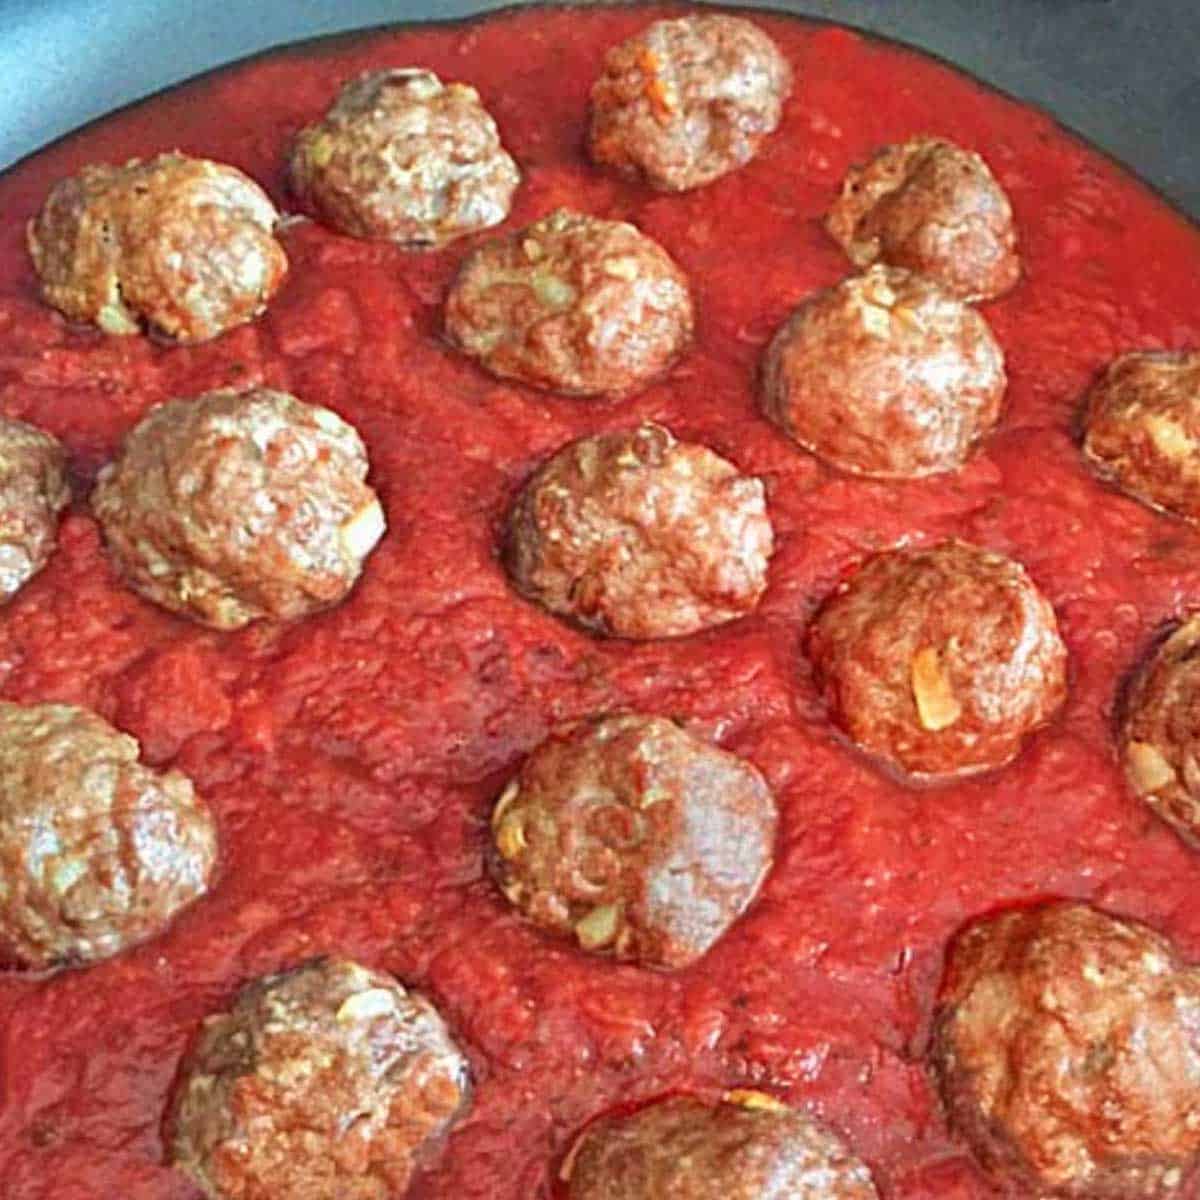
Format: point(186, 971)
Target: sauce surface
point(352, 759)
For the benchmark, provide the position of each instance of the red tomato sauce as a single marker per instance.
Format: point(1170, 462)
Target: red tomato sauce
point(352, 759)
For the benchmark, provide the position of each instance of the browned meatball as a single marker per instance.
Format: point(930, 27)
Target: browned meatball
point(235, 506)
point(97, 851)
point(686, 101)
point(33, 491)
point(573, 304)
point(940, 660)
point(1142, 429)
point(635, 838)
point(1067, 1048)
point(329, 1082)
point(885, 375)
point(750, 1147)
point(636, 535)
point(184, 244)
point(402, 156)
point(934, 208)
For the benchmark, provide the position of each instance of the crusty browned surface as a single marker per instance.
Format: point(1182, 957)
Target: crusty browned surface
point(689, 100)
point(1067, 1050)
point(183, 244)
point(634, 534)
point(329, 1082)
point(939, 660)
point(634, 837)
point(97, 851)
point(748, 1147)
point(235, 506)
point(934, 208)
point(1142, 429)
point(403, 157)
point(33, 491)
point(885, 375)
point(573, 304)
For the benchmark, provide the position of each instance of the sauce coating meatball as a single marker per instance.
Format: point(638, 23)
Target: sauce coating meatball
point(941, 660)
point(404, 157)
point(33, 491)
point(1142, 429)
point(573, 304)
point(934, 208)
point(635, 838)
point(97, 851)
point(240, 505)
point(327, 1081)
point(688, 100)
point(1067, 1049)
point(636, 535)
point(886, 375)
point(749, 1147)
point(184, 244)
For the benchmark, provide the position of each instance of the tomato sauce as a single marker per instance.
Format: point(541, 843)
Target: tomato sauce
point(352, 759)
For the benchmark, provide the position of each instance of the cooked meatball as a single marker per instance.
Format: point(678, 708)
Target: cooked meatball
point(1067, 1049)
point(184, 244)
point(97, 851)
point(941, 660)
point(329, 1082)
point(405, 157)
point(33, 491)
point(934, 208)
point(573, 304)
point(749, 1147)
point(235, 506)
point(885, 375)
point(636, 535)
point(1142, 430)
point(687, 101)
point(635, 838)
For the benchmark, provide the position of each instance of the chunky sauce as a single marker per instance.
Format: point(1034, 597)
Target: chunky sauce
point(352, 759)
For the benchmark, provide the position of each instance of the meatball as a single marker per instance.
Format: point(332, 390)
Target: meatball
point(934, 208)
point(327, 1081)
point(885, 375)
point(636, 535)
point(940, 660)
point(749, 1147)
point(405, 157)
point(1067, 1050)
point(184, 244)
point(572, 304)
point(635, 838)
point(688, 100)
point(235, 506)
point(97, 851)
point(33, 491)
point(1142, 430)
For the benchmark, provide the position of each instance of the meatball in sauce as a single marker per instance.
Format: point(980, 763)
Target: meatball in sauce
point(33, 492)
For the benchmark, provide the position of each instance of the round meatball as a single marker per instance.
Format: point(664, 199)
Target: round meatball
point(940, 660)
point(97, 851)
point(635, 838)
point(885, 375)
point(405, 157)
point(1142, 430)
point(33, 491)
point(235, 506)
point(636, 535)
point(687, 101)
point(934, 208)
point(572, 304)
point(327, 1081)
point(1067, 1049)
point(184, 244)
point(749, 1147)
